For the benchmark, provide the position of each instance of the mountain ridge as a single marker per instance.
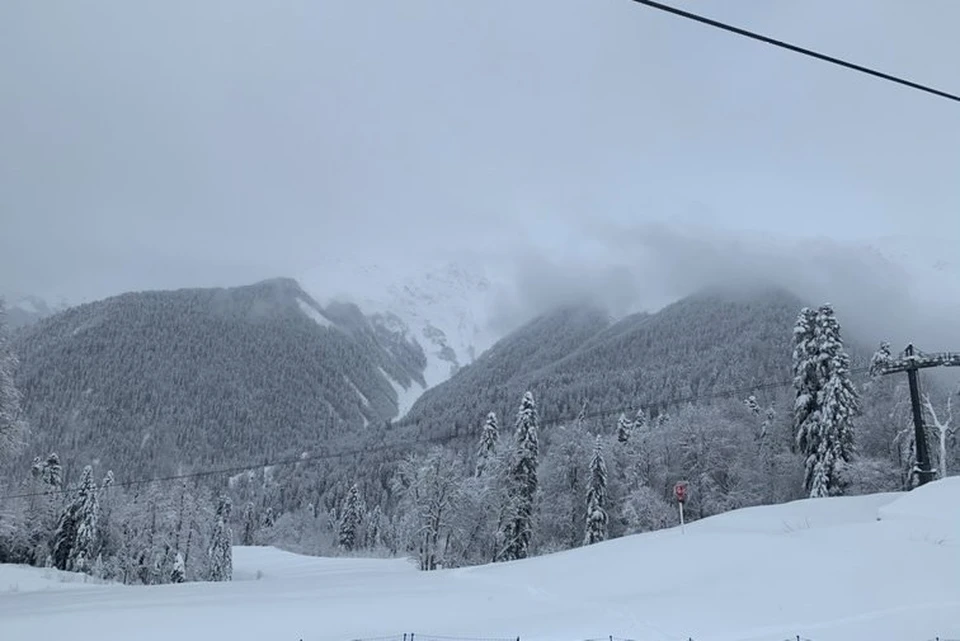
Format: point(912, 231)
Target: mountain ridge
point(713, 340)
point(219, 375)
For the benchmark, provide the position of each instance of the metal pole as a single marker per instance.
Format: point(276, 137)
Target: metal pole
point(924, 473)
point(683, 528)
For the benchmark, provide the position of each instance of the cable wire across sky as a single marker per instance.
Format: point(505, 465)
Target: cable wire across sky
point(796, 49)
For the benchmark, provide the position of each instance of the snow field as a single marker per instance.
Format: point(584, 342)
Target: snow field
point(866, 568)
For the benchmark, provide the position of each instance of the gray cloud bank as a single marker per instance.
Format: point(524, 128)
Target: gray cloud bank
point(634, 268)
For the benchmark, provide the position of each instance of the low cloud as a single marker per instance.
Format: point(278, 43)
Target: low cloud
point(625, 269)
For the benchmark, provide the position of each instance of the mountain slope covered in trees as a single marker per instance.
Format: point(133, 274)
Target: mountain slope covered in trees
point(156, 381)
point(207, 377)
point(699, 345)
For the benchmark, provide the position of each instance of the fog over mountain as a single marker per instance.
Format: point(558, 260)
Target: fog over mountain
point(611, 152)
point(899, 288)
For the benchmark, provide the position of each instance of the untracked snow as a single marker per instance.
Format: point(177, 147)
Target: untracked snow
point(873, 568)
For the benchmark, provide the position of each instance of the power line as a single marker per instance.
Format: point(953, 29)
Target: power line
point(437, 440)
point(801, 50)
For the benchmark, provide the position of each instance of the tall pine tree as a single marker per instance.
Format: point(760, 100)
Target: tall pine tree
point(248, 535)
point(179, 572)
point(488, 443)
point(351, 520)
point(76, 535)
point(880, 358)
point(624, 428)
point(220, 552)
point(597, 497)
point(805, 375)
point(516, 528)
point(641, 420)
point(826, 401)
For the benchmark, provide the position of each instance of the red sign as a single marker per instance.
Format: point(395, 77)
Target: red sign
point(680, 491)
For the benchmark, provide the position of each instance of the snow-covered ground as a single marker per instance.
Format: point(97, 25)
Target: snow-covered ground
point(874, 568)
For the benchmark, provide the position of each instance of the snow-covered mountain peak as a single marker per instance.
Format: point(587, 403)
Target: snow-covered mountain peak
point(442, 305)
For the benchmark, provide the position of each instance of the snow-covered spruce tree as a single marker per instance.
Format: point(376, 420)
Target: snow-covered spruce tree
point(596, 530)
point(806, 415)
point(826, 402)
point(220, 553)
point(12, 426)
point(351, 520)
point(106, 531)
point(179, 572)
point(516, 528)
point(624, 428)
point(248, 534)
point(374, 530)
point(488, 443)
point(640, 421)
point(839, 401)
point(879, 359)
point(805, 373)
point(76, 535)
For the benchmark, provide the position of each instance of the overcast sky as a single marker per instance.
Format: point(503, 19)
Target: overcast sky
point(183, 143)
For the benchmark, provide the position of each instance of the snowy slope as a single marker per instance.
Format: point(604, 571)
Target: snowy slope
point(875, 568)
point(442, 305)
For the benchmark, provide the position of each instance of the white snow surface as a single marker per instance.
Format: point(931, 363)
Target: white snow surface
point(451, 297)
point(21, 578)
point(873, 568)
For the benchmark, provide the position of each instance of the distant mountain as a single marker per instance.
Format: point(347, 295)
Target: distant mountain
point(160, 380)
point(442, 306)
point(24, 310)
point(704, 343)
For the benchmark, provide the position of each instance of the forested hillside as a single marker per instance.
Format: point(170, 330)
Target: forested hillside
point(154, 382)
point(733, 452)
point(150, 382)
point(701, 344)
